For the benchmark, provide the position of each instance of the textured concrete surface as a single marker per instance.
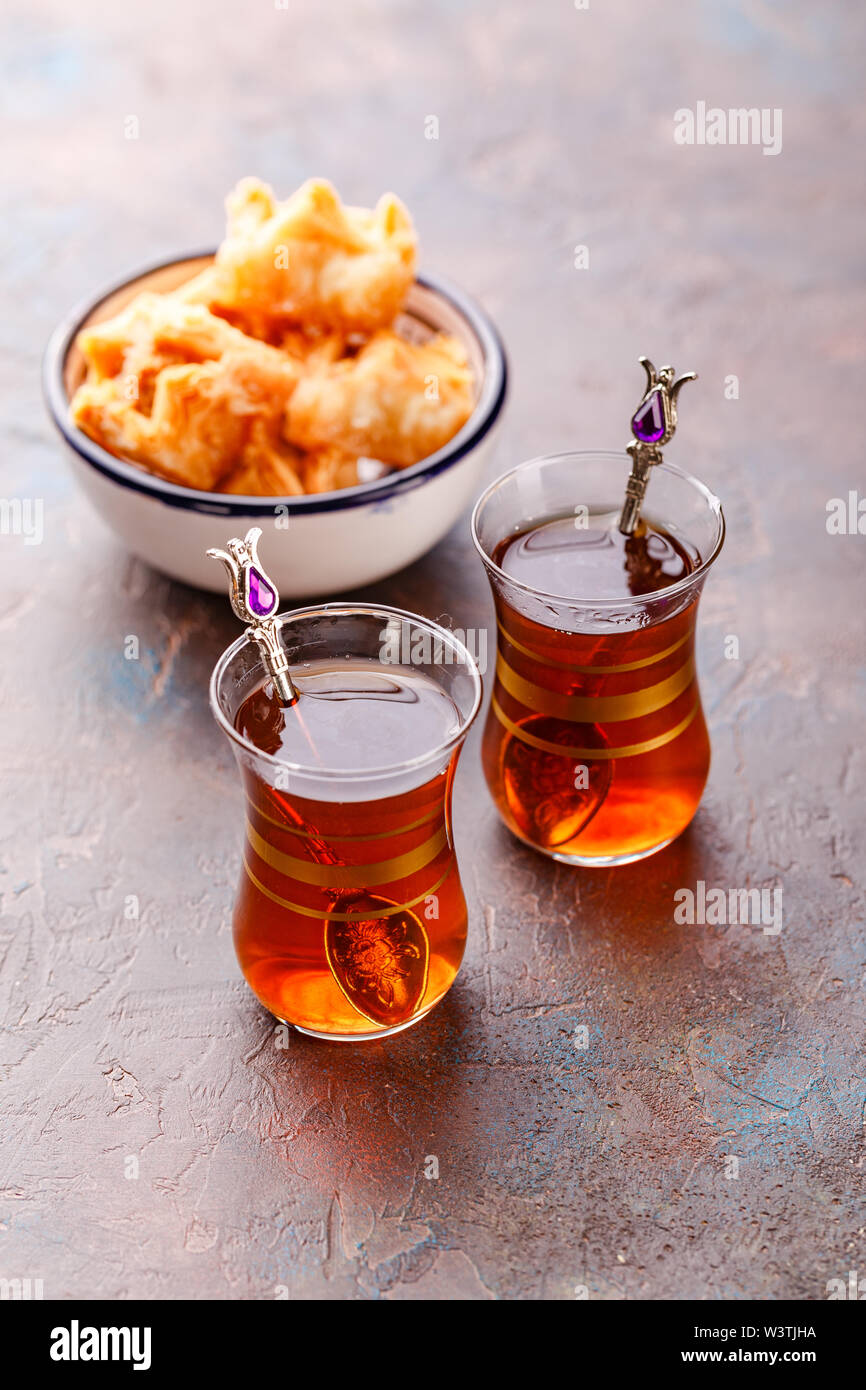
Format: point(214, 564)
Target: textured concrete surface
point(133, 1038)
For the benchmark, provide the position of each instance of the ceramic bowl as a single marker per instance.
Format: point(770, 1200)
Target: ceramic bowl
point(325, 543)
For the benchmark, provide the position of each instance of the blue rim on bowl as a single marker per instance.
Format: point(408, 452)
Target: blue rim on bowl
point(130, 475)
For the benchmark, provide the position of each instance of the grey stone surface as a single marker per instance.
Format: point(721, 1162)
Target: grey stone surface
point(558, 1167)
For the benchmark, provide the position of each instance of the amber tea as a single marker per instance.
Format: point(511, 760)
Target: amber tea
point(350, 919)
point(577, 749)
point(352, 916)
point(595, 747)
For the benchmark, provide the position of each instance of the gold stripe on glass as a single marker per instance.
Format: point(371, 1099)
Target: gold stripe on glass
point(322, 915)
point(631, 750)
point(595, 709)
point(595, 670)
point(349, 875)
point(344, 839)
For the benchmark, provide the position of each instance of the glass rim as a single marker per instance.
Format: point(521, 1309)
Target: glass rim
point(634, 601)
point(386, 612)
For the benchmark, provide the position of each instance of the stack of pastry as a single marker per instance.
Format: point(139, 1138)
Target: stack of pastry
point(278, 370)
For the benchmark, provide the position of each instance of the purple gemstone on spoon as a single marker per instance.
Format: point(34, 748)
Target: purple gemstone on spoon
point(648, 424)
point(262, 596)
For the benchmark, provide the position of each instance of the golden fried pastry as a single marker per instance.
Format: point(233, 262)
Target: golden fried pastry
point(185, 393)
point(326, 470)
point(201, 289)
point(395, 401)
point(177, 439)
point(309, 345)
point(159, 329)
point(269, 467)
point(255, 323)
point(313, 261)
point(313, 349)
point(273, 372)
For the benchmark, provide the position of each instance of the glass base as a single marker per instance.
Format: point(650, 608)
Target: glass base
point(595, 861)
point(358, 1037)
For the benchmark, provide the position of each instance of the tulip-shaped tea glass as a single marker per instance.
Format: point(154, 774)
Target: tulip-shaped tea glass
point(350, 919)
point(595, 748)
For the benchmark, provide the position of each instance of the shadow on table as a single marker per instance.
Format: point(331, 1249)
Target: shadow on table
point(635, 902)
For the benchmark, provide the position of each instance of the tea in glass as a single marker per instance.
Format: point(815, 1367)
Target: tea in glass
point(350, 920)
point(595, 748)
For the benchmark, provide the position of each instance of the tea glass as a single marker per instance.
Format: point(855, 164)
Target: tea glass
point(350, 919)
point(595, 748)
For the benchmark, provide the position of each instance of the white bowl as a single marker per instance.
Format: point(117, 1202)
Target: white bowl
point(324, 543)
